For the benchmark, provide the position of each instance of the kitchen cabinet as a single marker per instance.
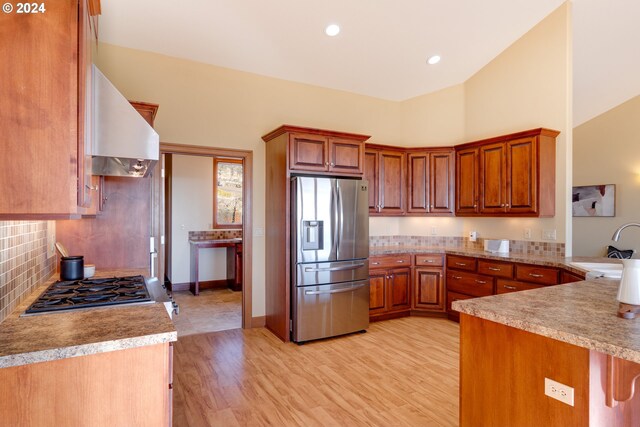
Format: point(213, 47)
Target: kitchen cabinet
point(317, 152)
point(476, 277)
point(428, 284)
point(292, 150)
point(234, 267)
point(389, 181)
point(116, 388)
point(430, 182)
point(45, 111)
point(516, 175)
point(389, 286)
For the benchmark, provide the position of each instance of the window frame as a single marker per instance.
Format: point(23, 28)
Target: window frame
point(216, 161)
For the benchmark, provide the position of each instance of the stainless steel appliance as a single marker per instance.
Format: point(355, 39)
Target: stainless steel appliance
point(330, 251)
point(65, 295)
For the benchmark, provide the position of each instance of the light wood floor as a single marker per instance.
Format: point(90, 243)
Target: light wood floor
point(212, 310)
point(402, 372)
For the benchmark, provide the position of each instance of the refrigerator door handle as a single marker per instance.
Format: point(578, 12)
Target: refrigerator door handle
point(336, 291)
point(334, 219)
point(339, 211)
point(342, 268)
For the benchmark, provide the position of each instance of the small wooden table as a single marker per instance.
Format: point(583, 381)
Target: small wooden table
point(197, 244)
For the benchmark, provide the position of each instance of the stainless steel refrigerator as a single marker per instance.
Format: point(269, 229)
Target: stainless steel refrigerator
point(330, 251)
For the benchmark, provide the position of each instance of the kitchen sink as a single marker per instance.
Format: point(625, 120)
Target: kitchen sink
point(607, 269)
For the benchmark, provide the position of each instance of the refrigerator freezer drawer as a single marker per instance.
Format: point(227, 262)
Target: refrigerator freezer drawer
point(330, 310)
point(331, 272)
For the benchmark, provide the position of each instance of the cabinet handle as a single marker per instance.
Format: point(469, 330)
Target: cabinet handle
point(536, 275)
point(513, 288)
point(457, 277)
point(482, 282)
point(375, 263)
point(400, 261)
point(461, 264)
point(494, 269)
point(92, 187)
point(430, 261)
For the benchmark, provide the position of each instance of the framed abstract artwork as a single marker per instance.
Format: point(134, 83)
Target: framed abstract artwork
point(594, 200)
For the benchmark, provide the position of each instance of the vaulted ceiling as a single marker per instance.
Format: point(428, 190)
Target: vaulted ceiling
point(383, 45)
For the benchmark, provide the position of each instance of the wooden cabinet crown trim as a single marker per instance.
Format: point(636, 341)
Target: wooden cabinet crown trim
point(503, 138)
point(298, 129)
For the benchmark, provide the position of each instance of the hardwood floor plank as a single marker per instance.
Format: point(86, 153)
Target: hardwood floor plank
point(402, 372)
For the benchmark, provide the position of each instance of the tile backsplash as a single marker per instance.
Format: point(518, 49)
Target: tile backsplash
point(26, 260)
point(549, 249)
point(215, 234)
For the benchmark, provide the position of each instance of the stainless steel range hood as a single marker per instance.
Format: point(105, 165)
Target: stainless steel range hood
point(123, 142)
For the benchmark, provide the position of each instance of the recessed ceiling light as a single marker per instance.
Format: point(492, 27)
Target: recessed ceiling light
point(332, 30)
point(433, 59)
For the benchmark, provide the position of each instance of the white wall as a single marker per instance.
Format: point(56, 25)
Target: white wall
point(606, 150)
point(192, 210)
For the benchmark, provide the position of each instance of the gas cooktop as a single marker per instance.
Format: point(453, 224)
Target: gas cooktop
point(70, 295)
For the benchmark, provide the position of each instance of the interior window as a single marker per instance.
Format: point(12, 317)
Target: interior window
point(227, 195)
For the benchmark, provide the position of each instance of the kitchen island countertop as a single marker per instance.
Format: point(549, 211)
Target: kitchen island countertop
point(52, 336)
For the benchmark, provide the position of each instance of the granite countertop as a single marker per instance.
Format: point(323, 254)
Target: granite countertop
point(546, 261)
point(580, 313)
point(53, 336)
point(204, 240)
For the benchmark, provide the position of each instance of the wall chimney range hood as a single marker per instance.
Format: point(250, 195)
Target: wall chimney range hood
point(123, 142)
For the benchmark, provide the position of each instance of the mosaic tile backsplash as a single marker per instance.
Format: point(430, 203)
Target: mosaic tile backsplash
point(549, 249)
point(215, 234)
point(24, 260)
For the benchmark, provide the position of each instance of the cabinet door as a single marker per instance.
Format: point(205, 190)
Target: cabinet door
point(467, 181)
point(441, 182)
point(392, 182)
point(428, 290)
point(493, 178)
point(418, 173)
point(308, 152)
point(399, 288)
point(521, 176)
point(346, 156)
point(371, 174)
point(377, 291)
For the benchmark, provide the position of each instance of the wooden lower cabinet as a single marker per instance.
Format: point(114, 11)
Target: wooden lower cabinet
point(130, 387)
point(428, 290)
point(389, 286)
point(506, 388)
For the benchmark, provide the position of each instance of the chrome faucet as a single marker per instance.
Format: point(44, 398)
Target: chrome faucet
point(616, 235)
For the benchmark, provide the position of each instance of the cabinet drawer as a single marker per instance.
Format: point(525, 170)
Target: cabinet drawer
point(454, 296)
point(429, 260)
point(536, 274)
point(461, 263)
point(390, 261)
point(469, 283)
point(506, 286)
point(495, 268)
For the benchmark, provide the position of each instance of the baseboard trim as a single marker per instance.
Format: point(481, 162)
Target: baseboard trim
point(207, 284)
point(258, 322)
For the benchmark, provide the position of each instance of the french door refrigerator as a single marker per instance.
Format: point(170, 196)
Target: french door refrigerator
point(330, 251)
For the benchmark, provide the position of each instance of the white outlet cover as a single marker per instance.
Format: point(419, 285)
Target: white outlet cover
point(558, 391)
point(549, 234)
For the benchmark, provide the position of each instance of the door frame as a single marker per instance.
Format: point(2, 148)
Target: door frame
point(247, 211)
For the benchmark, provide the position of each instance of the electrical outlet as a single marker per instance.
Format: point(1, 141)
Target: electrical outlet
point(549, 234)
point(434, 231)
point(258, 231)
point(473, 236)
point(558, 391)
point(527, 233)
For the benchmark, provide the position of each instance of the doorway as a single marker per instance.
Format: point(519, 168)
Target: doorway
point(163, 220)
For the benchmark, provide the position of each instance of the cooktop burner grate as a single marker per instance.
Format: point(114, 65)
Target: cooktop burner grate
point(69, 295)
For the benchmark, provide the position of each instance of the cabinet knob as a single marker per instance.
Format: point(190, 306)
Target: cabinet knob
point(507, 204)
point(332, 164)
point(326, 163)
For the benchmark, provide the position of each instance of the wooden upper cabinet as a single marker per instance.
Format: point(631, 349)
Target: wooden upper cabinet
point(322, 152)
point(430, 182)
point(385, 171)
point(467, 185)
point(371, 175)
point(308, 152)
point(390, 183)
point(517, 175)
point(44, 111)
